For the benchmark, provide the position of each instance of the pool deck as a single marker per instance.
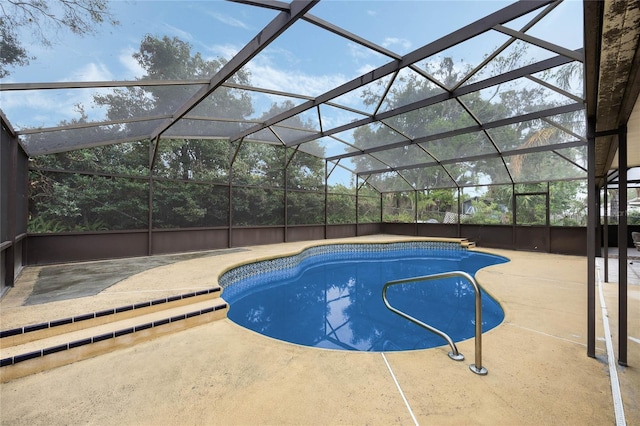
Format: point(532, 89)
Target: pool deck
point(220, 373)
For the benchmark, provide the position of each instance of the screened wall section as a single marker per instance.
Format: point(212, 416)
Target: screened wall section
point(477, 131)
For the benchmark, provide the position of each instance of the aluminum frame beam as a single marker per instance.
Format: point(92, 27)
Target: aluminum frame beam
point(270, 33)
point(441, 97)
point(465, 130)
point(480, 26)
point(623, 236)
point(529, 150)
point(540, 43)
point(8, 87)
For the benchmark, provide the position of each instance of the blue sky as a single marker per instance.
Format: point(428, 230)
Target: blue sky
point(304, 60)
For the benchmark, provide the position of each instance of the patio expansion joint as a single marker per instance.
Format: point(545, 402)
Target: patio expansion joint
point(618, 405)
point(545, 334)
point(395, 380)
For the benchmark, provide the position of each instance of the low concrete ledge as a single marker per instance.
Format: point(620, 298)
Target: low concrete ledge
point(30, 333)
point(51, 357)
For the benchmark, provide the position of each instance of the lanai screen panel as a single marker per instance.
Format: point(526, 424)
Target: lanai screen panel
point(388, 90)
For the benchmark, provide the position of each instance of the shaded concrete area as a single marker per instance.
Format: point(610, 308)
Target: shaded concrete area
point(71, 281)
point(221, 373)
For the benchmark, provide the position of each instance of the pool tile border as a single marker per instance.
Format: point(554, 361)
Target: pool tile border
point(286, 265)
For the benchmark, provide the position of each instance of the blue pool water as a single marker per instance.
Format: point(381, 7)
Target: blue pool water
point(334, 300)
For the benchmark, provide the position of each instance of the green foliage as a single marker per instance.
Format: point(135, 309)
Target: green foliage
point(305, 208)
point(129, 159)
point(426, 121)
point(78, 16)
point(12, 53)
point(398, 207)
point(196, 159)
point(108, 187)
point(434, 204)
point(633, 218)
point(486, 212)
point(78, 202)
point(568, 203)
point(531, 210)
point(39, 225)
point(258, 207)
point(491, 104)
point(341, 208)
point(179, 204)
point(368, 209)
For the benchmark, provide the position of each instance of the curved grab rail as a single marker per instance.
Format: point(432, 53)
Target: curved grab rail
point(454, 354)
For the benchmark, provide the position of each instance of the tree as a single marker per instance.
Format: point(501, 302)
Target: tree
point(189, 167)
point(42, 17)
point(186, 170)
point(441, 117)
point(90, 189)
point(190, 176)
point(495, 103)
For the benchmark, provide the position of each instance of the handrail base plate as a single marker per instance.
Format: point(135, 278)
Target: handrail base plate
point(458, 357)
point(479, 371)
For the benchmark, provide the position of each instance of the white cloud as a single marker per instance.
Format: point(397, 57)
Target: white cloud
point(228, 20)
point(394, 41)
point(363, 69)
point(30, 99)
point(42, 107)
point(266, 76)
point(92, 72)
point(226, 51)
point(132, 66)
point(359, 52)
point(47, 108)
point(181, 34)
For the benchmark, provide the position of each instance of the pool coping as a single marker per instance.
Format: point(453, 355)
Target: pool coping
point(464, 243)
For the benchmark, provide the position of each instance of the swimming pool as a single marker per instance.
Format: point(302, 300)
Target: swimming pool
point(331, 296)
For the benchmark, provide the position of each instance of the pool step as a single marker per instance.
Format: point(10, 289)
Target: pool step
point(468, 244)
point(49, 345)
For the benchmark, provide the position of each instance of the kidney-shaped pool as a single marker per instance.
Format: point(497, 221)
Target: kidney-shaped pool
point(330, 296)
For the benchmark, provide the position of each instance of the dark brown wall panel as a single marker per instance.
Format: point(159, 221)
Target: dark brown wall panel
point(399, 228)
point(341, 231)
point(532, 238)
point(494, 236)
point(183, 240)
point(18, 261)
point(305, 233)
point(437, 230)
point(613, 235)
point(569, 240)
point(57, 248)
point(256, 236)
point(369, 228)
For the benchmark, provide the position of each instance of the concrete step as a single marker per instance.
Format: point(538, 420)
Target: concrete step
point(39, 331)
point(468, 244)
point(61, 346)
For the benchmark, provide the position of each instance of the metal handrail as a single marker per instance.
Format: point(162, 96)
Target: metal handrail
point(454, 354)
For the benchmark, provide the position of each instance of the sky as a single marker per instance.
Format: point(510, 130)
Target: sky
point(305, 59)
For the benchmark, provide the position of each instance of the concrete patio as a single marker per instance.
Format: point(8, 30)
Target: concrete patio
point(221, 373)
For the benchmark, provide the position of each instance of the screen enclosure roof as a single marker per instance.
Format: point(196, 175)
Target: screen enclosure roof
point(434, 94)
